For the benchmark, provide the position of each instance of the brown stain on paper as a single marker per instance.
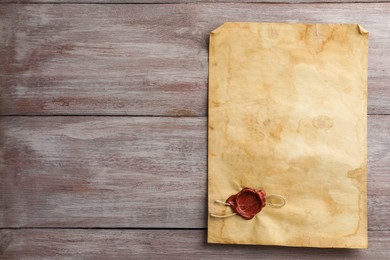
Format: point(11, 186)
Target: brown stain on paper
point(322, 122)
point(359, 180)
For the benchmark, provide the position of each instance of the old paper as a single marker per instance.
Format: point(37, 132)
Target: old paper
point(287, 114)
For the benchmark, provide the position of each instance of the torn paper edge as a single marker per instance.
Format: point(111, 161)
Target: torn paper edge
point(360, 28)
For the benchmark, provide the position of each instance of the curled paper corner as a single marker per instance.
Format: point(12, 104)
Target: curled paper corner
point(228, 25)
point(219, 28)
point(362, 30)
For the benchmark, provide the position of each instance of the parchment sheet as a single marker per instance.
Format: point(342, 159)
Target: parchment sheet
point(287, 114)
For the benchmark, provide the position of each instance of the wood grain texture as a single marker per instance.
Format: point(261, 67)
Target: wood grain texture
point(103, 172)
point(146, 59)
point(191, 1)
point(129, 172)
point(166, 244)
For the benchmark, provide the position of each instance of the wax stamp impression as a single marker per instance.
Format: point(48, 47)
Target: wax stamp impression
point(247, 203)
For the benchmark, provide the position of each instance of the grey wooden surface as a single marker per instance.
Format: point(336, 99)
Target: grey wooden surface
point(193, 1)
point(154, 57)
point(103, 125)
point(162, 244)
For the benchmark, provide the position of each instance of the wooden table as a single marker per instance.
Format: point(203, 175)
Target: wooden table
point(104, 124)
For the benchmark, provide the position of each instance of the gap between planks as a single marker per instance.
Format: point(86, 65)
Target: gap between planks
point(161, 2)
point(128, 116)
point(108, 228)
point(153, 2)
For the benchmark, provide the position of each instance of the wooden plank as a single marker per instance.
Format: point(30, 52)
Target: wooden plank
point(151, 244)
point(146, 59)
point(129, 172)
point(189, 1)
point(106, 172)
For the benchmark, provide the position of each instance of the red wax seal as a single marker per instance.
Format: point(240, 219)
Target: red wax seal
point(247, 203)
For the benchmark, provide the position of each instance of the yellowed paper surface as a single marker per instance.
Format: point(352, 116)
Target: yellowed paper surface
point(287, 114)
